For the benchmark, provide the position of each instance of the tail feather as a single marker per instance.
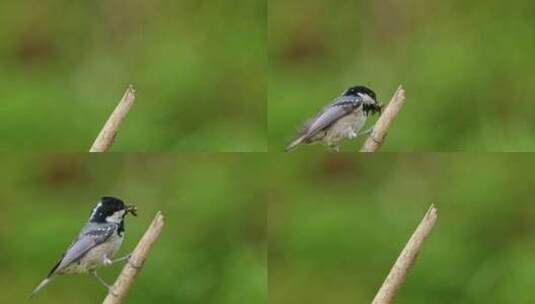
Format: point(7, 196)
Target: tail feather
point(294, 144)
point(41, 285)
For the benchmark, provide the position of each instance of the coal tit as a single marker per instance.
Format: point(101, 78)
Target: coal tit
point(97, 242)
point(343, 118)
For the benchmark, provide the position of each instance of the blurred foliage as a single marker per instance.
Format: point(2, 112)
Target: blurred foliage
point(199, 68)
point(336, 228)
point(211, 250)
point(467, 67)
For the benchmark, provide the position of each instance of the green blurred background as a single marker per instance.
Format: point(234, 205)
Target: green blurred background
point(212, 248)
point(199, 68)
point(467, 67)
point(336, 228)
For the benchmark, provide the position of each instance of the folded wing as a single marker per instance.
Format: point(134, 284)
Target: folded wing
point(84, 242)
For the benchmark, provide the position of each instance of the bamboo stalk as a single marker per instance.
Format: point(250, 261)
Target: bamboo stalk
point(123, 283)
point(107, 135)
point(398, 273)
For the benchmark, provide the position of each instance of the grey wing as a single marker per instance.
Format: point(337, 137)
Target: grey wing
point(329, 115)
point(91, 236)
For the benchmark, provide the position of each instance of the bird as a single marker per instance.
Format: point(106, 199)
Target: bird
point(97, 242)
point(343, 118)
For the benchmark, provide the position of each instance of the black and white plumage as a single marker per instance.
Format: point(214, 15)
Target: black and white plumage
point(343, 118)
point(98, 241)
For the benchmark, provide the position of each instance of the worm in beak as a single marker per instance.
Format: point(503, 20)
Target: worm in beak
point(131, 209)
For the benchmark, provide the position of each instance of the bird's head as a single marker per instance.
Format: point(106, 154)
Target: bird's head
point(369, 99)
point(111, 210)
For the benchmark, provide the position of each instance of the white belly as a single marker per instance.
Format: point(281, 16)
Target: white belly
point(96, 256)
point(346, 127)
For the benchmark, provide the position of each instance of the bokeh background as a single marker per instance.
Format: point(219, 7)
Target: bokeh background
point(199, 68)
point(212, 248)
point(336, 228)
point(467, 68)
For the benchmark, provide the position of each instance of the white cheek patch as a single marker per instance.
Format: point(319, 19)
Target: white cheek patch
point(116, 217)
point(366, 98)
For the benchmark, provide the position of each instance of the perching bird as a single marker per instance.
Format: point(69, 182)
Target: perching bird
point(343, 118)
point(96, 244)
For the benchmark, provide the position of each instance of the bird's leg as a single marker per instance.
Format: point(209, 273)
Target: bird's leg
point(126, 257)
point(109, 287)
point(101, 280)
point(367, 132)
